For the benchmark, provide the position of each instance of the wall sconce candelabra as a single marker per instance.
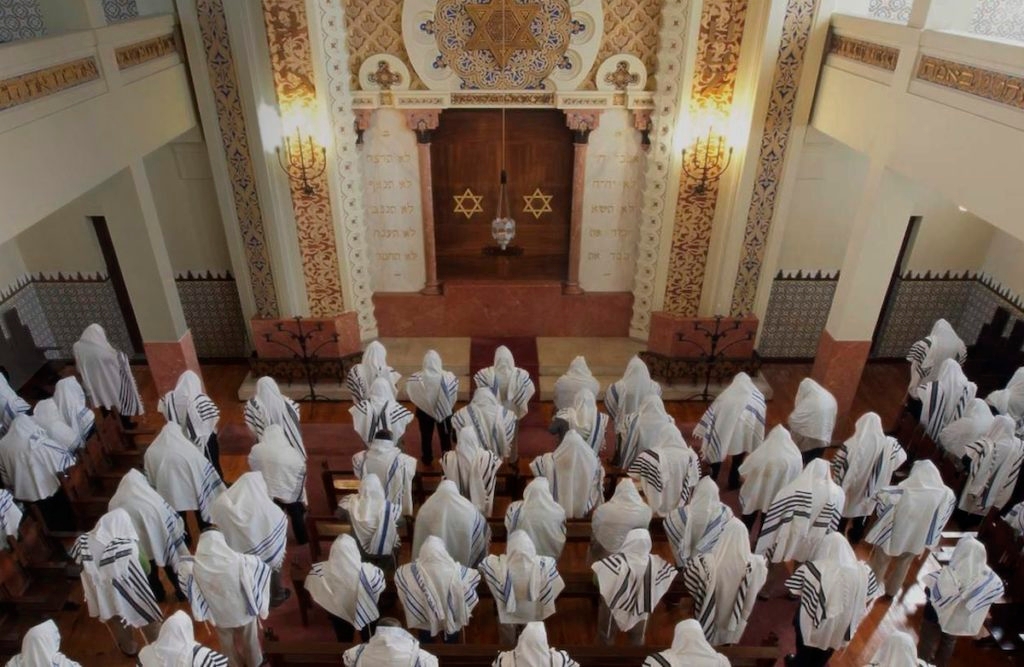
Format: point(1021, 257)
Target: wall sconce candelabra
point(707, 160)
point(302, 160)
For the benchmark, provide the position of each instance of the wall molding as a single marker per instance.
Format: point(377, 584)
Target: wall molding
point(862, 51)
point(799, 274)
point(142, 52)
point(998, 87)
point(34, 85)
point(204, 275)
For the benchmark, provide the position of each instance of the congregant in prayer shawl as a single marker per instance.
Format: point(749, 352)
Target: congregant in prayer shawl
point(374, 520)
point(957, 435)
point(733, 425)
point(724, 584)
point(959, 597)
point(993, 465)
point(113, 580)
point(392, 467)
point(29, 464)
point(802, 513)
point(944, 399)
point(495, 425)
point(511, 385)
point(433, 391)
point(582, 416)
point(160, 530)
point(447, 515)
point(437, 591)
point(70, 399)
point(641, 431)
point(523, 584)
point(181, 474)
point(40, 647)
point(191, 409)
point(1009, 401)
point(897, 650)
point(667, 472)
point(574, 474)
point(835, 591)
point(284, 470)
point(694, 529)
point(864, 465)
point(473, 469)
point(1015, 517)
point(11, 515)
point(374, 366)
point(106, 374)
point(813, 419)
point(11, 405)
point(47, 414)
point(231, 591)
point(252, 524)
point(177, 647)
point(632, 581)
point(613, 521)
point(379, 411)
point(390, 646)
point(911, 518)
point(624, 397)
point(532, 650)
point(269, 406)
point(773, 465)
point(540, 517)
point(927, 355)
point(575, 380)
point(689, 649)
point(347, 589)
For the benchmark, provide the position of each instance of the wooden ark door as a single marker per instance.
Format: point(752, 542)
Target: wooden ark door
point(466, 155)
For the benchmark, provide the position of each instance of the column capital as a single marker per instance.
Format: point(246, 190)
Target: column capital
point(582, 122)
point(423, 122)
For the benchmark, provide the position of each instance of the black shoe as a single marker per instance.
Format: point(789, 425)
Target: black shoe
point(790, 660)
point(180, 596)
point(277, 602)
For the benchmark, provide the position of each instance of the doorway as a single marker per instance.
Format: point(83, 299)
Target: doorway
point(898, 270)
point(99, 225)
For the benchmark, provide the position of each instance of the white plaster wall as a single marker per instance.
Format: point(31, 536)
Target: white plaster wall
point(1003, 261)
point(64, 241)
point(948, 239)
point(12, 266)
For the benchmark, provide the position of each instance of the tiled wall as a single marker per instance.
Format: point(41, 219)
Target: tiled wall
point(213, 315)
point(120, 10)
point(917, 302)
point(797, 312)
point(20, 19)
point(71, 306)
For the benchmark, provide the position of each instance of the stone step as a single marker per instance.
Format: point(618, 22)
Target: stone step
point(605, 356)
point(675, 392)
point(335, 391)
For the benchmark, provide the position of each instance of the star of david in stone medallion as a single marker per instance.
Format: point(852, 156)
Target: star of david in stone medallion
point(468, 204)
point(537, 204)
point(502, 27)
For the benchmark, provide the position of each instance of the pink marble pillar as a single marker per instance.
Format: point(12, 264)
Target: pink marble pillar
point(169, 360)
point(838, 367)
point(581, 123)
point(423, 122)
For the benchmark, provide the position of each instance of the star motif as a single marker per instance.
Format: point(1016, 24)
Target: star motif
point(502, 28)
point(533, 208)
point(474, 203)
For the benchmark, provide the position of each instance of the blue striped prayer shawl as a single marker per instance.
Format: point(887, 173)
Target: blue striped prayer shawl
point(271, 548)
point(132, 587)
point(129, 403)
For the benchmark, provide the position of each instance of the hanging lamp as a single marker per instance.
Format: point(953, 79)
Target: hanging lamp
point(503, 227)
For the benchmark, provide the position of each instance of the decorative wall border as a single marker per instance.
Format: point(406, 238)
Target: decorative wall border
point(869, 53)
point(207, 275)
point(24, 88)
point(809, 275)
point(987, 84)
point(142, 52)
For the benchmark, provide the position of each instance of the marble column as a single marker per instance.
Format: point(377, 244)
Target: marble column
point(581, 123)
point(423, 122)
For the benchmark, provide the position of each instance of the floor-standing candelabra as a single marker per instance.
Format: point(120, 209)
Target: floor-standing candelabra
point(308, 357)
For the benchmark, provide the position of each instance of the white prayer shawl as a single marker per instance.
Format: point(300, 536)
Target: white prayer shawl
point(625, 512)
point(575, 475)
point(689, 649)
point(250, 521)
point(633, 580)
point(524, 585)
point(112, 577)
point(511, 385)
point(433, 389)
point(106, 373)
point(473, 469)
point(161, 531)
point(389, 647)
point(540, 517)
point(177, 647)
point(453, 519)
point(373, 518)
point(76, 413)
point(803, 512)
point(624, 397)
point(1009, 401)
point(725, 583)
point(835, 591)
point(10, 519)
point(40, 647)
point(345, 586)
point(283, 467)
point(230, 589)
point(437, 592)
point(865, 464)
point(695, 528)
point(185, 569)
point(532, 650)
point(995, 464)
point(928, 354)
point(734, 423)
point(11, 405)
point(395, 470)
point(582, 416)
point(773, 465)
point(897, 650)
point(495, 425)
point(269, 406)
point(575, 380)
point(944, 400)
point(180, 473)
point(47, 414)
point(641, 431)
point(1015, 517)
point(667, 472)
point(373, 366)
point(962, 592)
point(379, 412)
point(30, 461)
point(814, 414)
point(913, 514)
point(975, 423)
point(187, 406)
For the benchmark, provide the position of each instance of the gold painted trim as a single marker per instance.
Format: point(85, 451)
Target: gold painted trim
point(504, 99)
point(987, 84)
point(142, 52)
point(869, 53)
point(40, 83)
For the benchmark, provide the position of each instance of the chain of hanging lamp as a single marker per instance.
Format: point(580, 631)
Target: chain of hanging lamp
point(503, 227)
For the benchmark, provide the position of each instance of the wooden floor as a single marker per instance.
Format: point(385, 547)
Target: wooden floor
point(881, 390)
